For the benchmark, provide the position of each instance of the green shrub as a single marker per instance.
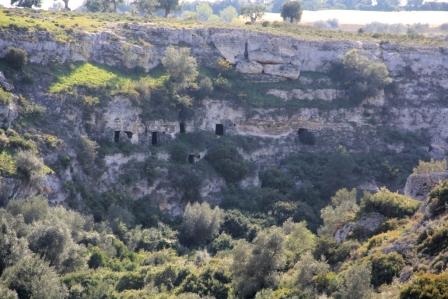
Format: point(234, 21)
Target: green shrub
point(5, 97)
point(130, 281)
point(237, 225)
point(427, 286)
point(424, 167)
point(16, 58)
point(211, 282)
point(33, 209)
point(97, 259)
point(389, 204)
point(438, 199)
point(276, 179)
point(360, 75)
point(227, 162)
point(385, 267)
point(200, 223)
point(433, 241)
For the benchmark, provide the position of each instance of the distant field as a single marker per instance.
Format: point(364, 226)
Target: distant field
point(357, 17)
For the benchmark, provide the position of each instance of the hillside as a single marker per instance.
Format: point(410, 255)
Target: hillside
point(169, 159)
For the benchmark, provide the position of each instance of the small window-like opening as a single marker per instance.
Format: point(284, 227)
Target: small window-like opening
point(219, 129)
point(306, 137)
point(191, 158)
point(117, 136)
point(154, 138)
point(182, 129)
point(129, 134)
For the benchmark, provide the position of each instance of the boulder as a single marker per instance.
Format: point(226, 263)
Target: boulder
point(4, 83)
point(418, 186)
point(249, 67)
point(365, 226)
point(282, 70)
point(230, 45)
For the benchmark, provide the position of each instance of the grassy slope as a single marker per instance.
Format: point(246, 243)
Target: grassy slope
point(61, 24)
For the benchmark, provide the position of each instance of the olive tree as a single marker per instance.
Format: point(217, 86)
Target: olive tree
point(255, 266)
point(253, 11)
point(292, 11)
point(200, 223)
point(181, 67)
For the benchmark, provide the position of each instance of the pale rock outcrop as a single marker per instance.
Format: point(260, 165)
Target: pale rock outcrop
point(249, 67)
point(418, 186)
point(282, 70)
point(365, 226)
point(307, 94)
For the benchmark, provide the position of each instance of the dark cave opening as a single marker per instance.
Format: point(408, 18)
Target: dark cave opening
point(154, 138)
point(117, 136)
point(219, 129)
point(306, 137)
point(182, 128)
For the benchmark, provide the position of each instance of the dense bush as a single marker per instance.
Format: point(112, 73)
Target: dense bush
point(434, 240)
point(227, 162)
point(16, 58)
point(427, 286)
point(438, 199)
point(360, 76)
point(32, 209)
point(424, 167)
point(200, 223)
point(237, 225)
point(389, 204)
point(385, 267)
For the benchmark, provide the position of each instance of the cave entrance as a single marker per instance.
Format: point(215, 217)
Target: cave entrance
point(182, 128)
point(154, 138)
point(117, 136)
point(129, 134)
point(306, 137)
point(219, 129)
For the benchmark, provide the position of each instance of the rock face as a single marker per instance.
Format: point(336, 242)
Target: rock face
point(418, 186)
point(278, 55)
point(366, 226)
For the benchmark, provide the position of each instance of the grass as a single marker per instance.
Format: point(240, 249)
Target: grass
point(62, 24)
point(99, 77)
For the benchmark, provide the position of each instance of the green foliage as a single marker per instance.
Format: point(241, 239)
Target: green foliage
point(292, 11)
point(181, 67)
point(97, 259)
point(31, 168)
point(85, 75)
point(355, 282)
point(255, 265)
point(228, 14)
point(385, 267)
point(32, 209)
point(333, 252)
point(5, 97)
point(276, 179)
point(15, 57)
point(7, 164)
point(203, 11)
point(168, 5)
point(299, 240)
point(389, 204)
point(12, 248)
point(253, 11)
point(211, 282)
point(6, 293)
point(424, 167)
point(186, 181)
point(434, 240)
point(360, 76)
point(342, 210)
point(227, 162)
point(130, 281)
point(237, 225)
point(438, 199)
point(200, 223)
point(33, 278)
point(427, 286)
point(221, 243)
point(48, 242)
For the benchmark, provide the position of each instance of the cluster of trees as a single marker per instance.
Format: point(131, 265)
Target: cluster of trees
point(52, 252)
